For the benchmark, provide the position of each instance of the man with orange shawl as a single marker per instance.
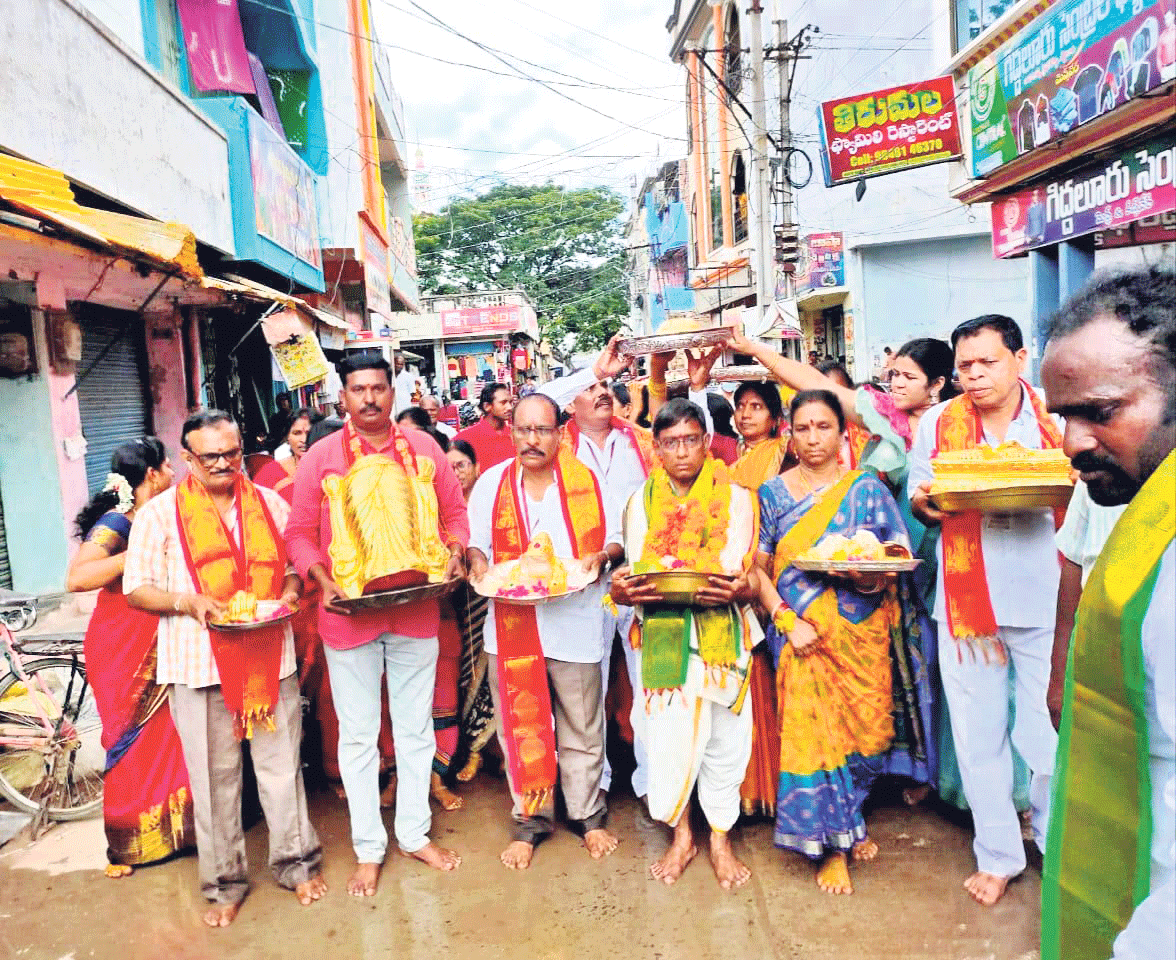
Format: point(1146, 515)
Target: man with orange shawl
point(191, 549)
point(622, 455)
point(996, 599)
point(693, 660)
point(545, 659)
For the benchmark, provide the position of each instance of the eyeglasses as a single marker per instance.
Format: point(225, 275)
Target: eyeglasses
point(211, 459)
point(681, 443)
point(542, 433)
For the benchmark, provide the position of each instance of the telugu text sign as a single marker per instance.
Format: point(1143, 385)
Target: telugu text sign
point(1078, 60)
point(1107, 197)
point(823, 261)
point(283, 193)
point(467, 320)
point(889, 130)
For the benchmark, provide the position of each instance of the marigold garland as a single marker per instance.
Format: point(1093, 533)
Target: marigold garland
point(687, 533)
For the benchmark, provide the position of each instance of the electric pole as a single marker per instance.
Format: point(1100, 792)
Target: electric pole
point(760, 196)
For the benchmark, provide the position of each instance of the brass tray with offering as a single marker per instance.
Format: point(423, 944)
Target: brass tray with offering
point(1005, 479)
point(535, 577)
point(861, 553)
point(245, 612)
point(679, 587)
point(677, 333)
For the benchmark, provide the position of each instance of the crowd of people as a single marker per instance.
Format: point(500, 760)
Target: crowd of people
point(770, 691)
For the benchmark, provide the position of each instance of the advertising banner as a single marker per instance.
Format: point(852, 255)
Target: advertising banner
point(890, 130)
point(217, 58)
point(296, 349)
point(1107, 197)
point(1079, 60)
point(485, 320)
point(822, 261)
point(374, 253)
point(283, 193)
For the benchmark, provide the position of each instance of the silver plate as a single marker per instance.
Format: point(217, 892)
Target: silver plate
point(401, 595)
point(737, 374)
point(670, 342)
point(857, 566)
point(268, 621)
point(499, 573)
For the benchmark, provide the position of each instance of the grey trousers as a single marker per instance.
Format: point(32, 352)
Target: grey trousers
point(577, 703)
point(212, 755)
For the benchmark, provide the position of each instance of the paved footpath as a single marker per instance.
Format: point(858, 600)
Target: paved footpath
point(55, 904)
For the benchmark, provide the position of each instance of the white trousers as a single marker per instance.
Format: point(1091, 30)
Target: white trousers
point(691, 740)
point(978, 697)
point(410, 665)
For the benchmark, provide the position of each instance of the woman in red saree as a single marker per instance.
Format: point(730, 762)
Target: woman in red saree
point(147, 803)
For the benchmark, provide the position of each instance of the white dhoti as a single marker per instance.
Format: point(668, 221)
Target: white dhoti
point(691, 738)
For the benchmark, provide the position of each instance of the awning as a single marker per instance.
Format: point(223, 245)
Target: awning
point(46, 194)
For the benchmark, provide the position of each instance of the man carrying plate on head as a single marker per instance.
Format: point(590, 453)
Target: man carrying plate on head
point(377, 508)
point(691, 700)
point(545, 658)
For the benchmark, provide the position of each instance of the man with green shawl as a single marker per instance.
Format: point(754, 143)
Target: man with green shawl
point(1110, 370)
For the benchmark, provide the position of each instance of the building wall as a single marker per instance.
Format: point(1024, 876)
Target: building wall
point(926, 288)
point(166, 383)
point(80, 100)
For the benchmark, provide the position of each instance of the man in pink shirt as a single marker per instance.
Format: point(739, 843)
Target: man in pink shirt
point(399, 641)
point(491, 437)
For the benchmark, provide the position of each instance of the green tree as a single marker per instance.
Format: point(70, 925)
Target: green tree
point(564, 247)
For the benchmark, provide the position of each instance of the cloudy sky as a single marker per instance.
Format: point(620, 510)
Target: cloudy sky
point(609, 105)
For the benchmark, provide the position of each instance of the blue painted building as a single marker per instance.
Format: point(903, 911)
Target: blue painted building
point(660, 246)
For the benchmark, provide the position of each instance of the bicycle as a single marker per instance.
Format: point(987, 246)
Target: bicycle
point(51, 754)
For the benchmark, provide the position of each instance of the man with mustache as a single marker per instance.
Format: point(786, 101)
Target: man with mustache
point(545, 659)
point(491, 437)
point(996, 599)
point(191, 549)
point(622, 455)
point(399, 642)
point(1110, 369)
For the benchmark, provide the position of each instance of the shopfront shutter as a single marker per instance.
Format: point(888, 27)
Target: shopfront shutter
point(5, 570)
point(111, 398)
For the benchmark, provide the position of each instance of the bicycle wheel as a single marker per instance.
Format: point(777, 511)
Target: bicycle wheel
point(62, 772)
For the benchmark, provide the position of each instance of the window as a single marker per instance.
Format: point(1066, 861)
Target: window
point(738, 197)
point(733, 67)
point(973, 17)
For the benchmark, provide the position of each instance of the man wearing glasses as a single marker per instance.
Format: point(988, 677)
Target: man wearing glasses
point(545, 659)
point(191, 549)
point(689, 702)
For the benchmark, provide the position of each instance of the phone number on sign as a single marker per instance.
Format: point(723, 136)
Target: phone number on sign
point(887, 154)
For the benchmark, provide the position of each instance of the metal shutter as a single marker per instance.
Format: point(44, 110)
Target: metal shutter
point(5, 570)
point(111, 398)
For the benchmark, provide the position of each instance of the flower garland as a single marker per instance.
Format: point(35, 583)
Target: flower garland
point(687, 533)
point(117, 483)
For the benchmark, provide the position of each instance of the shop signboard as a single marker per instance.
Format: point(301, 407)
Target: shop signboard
point(296, 349)
point(1158, 229)
point(283, 193)
point(374, 253)
point(822, 262)
point(1107, 197)
point(507, 318)
point(889, 130)
point(1077, 61)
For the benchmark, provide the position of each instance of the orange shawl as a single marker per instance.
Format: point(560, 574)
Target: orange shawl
point(522, 673)
point(965, 582)
point(220, 565)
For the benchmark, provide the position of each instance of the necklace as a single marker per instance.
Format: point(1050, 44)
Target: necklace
point(816, 492)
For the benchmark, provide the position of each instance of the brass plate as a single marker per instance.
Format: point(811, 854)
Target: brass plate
point(669, 342)
point(679, 586)
point(394, 598)
point(856, 566)
point(1006, 499)
point(265, 612)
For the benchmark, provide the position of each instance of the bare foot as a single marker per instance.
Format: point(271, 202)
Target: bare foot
point(443, 795)
point(600, 843)
point(117, 870)
point(986, 888)
point(436, 857)
point(312, 890)
point(833, 877)
point(364, 880)
point(221, 914)
point(729, 869)
point(388, 794)
point(913, 796)
point(865, 850)
point(675, 860)
point(470, 770)
point(518, 855)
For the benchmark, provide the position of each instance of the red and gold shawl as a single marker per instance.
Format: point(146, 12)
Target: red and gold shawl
point(522, 673)
point(221, 564)
point(965, 582)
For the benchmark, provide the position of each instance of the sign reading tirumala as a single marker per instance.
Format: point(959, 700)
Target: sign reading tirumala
point(889, 130)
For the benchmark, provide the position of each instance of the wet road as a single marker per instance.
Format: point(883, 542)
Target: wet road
point(55, 904)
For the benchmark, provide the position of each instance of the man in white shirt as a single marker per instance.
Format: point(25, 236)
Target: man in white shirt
point(229, 524)
point(406, 383)
point(432, 406)
point(1110, 369)
point(545, 659)
point(1004, 611)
